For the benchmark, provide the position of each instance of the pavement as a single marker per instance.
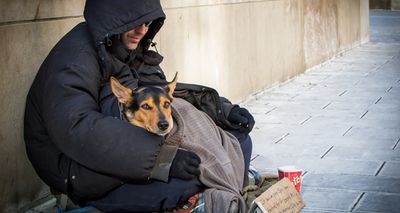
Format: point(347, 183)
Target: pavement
point(340, 123)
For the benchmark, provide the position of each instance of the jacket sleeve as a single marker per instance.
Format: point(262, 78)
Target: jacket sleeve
point(226, 106)
point(74, 123)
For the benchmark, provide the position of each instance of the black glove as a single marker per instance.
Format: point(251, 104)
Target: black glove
point(243, 118)
point(185, 165)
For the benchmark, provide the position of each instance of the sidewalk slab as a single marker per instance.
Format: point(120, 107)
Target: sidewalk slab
point(376, 131)
point(281, 150)
point(379, 202)
point(343, 141)
point(390, 169)
point(339, 152)
point(353, 182)
point(320, 200)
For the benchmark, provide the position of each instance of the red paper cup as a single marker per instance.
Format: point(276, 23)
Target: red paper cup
point(293, 174)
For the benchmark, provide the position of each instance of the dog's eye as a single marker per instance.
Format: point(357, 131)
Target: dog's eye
point(166, 105)
point(146, 107)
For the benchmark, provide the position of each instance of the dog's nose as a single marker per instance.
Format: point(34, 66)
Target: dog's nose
point(163, 125)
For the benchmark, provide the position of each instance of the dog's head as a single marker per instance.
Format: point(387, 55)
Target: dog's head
point(148, 107)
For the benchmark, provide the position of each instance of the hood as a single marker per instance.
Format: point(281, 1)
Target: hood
point(106, 18)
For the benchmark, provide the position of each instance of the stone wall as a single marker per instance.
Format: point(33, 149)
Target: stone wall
point(241, 47)
point(237, 46)
point(28, 29)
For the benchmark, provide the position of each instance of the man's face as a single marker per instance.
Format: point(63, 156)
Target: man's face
point(132, 37)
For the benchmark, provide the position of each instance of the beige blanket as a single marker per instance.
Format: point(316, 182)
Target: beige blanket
point(222, 163)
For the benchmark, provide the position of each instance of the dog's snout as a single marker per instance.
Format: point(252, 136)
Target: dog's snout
point(163, 125)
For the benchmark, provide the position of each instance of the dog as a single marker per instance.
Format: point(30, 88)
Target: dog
point(148, 107)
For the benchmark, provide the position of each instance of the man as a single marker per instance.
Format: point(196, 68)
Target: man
point(74, 137)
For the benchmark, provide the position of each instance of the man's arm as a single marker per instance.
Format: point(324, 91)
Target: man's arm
point(75, 125)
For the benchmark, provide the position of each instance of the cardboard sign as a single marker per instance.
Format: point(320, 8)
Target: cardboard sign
point(281, 197)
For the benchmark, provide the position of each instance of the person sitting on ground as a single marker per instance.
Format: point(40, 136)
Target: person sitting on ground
point(74, 138)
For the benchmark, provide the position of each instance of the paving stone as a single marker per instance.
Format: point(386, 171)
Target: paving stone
point(339, 82)
point(375, 90)
point(388, 102)
point(320, 95)
point(293, 88)
point(288, 119)
point(353, 103)
point(338, 120)
point(304, 103)
point(329, 199)
point(385, 76)
point(280, 117)
point(341, 113)
point(342, 141)
point(353, 182)
point(365, 67)
point(344, 112)
point(289, 150)
point(376, 79)
point(379, 202)
point(324, 91)
point(268, 134)
point(369, 142)
point(390, 169)
point(378, 123)
point(347, 167)
point(310, 78)
point(328, 126)
point(365, 153)
point(373, 131)
point(362, 93)
point(390, 97)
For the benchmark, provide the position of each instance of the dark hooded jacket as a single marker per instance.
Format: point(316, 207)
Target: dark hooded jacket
point(74, 137)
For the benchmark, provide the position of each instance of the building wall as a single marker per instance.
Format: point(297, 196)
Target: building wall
point(241, 47)
point(28, 29)
point(236, 46)
point(385, 4)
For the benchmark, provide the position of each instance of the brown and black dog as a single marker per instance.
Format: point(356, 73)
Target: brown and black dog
point(148, 107)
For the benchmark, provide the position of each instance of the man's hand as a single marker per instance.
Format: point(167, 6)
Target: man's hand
point(243, 118)
point(185, 165)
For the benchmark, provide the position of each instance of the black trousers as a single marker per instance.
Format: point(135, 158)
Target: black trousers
point(159, 196)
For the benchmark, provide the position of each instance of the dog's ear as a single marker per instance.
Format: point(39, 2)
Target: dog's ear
point(172, 85)
point(123, 94)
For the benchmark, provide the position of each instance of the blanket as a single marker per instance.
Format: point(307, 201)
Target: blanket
point(222, 163)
